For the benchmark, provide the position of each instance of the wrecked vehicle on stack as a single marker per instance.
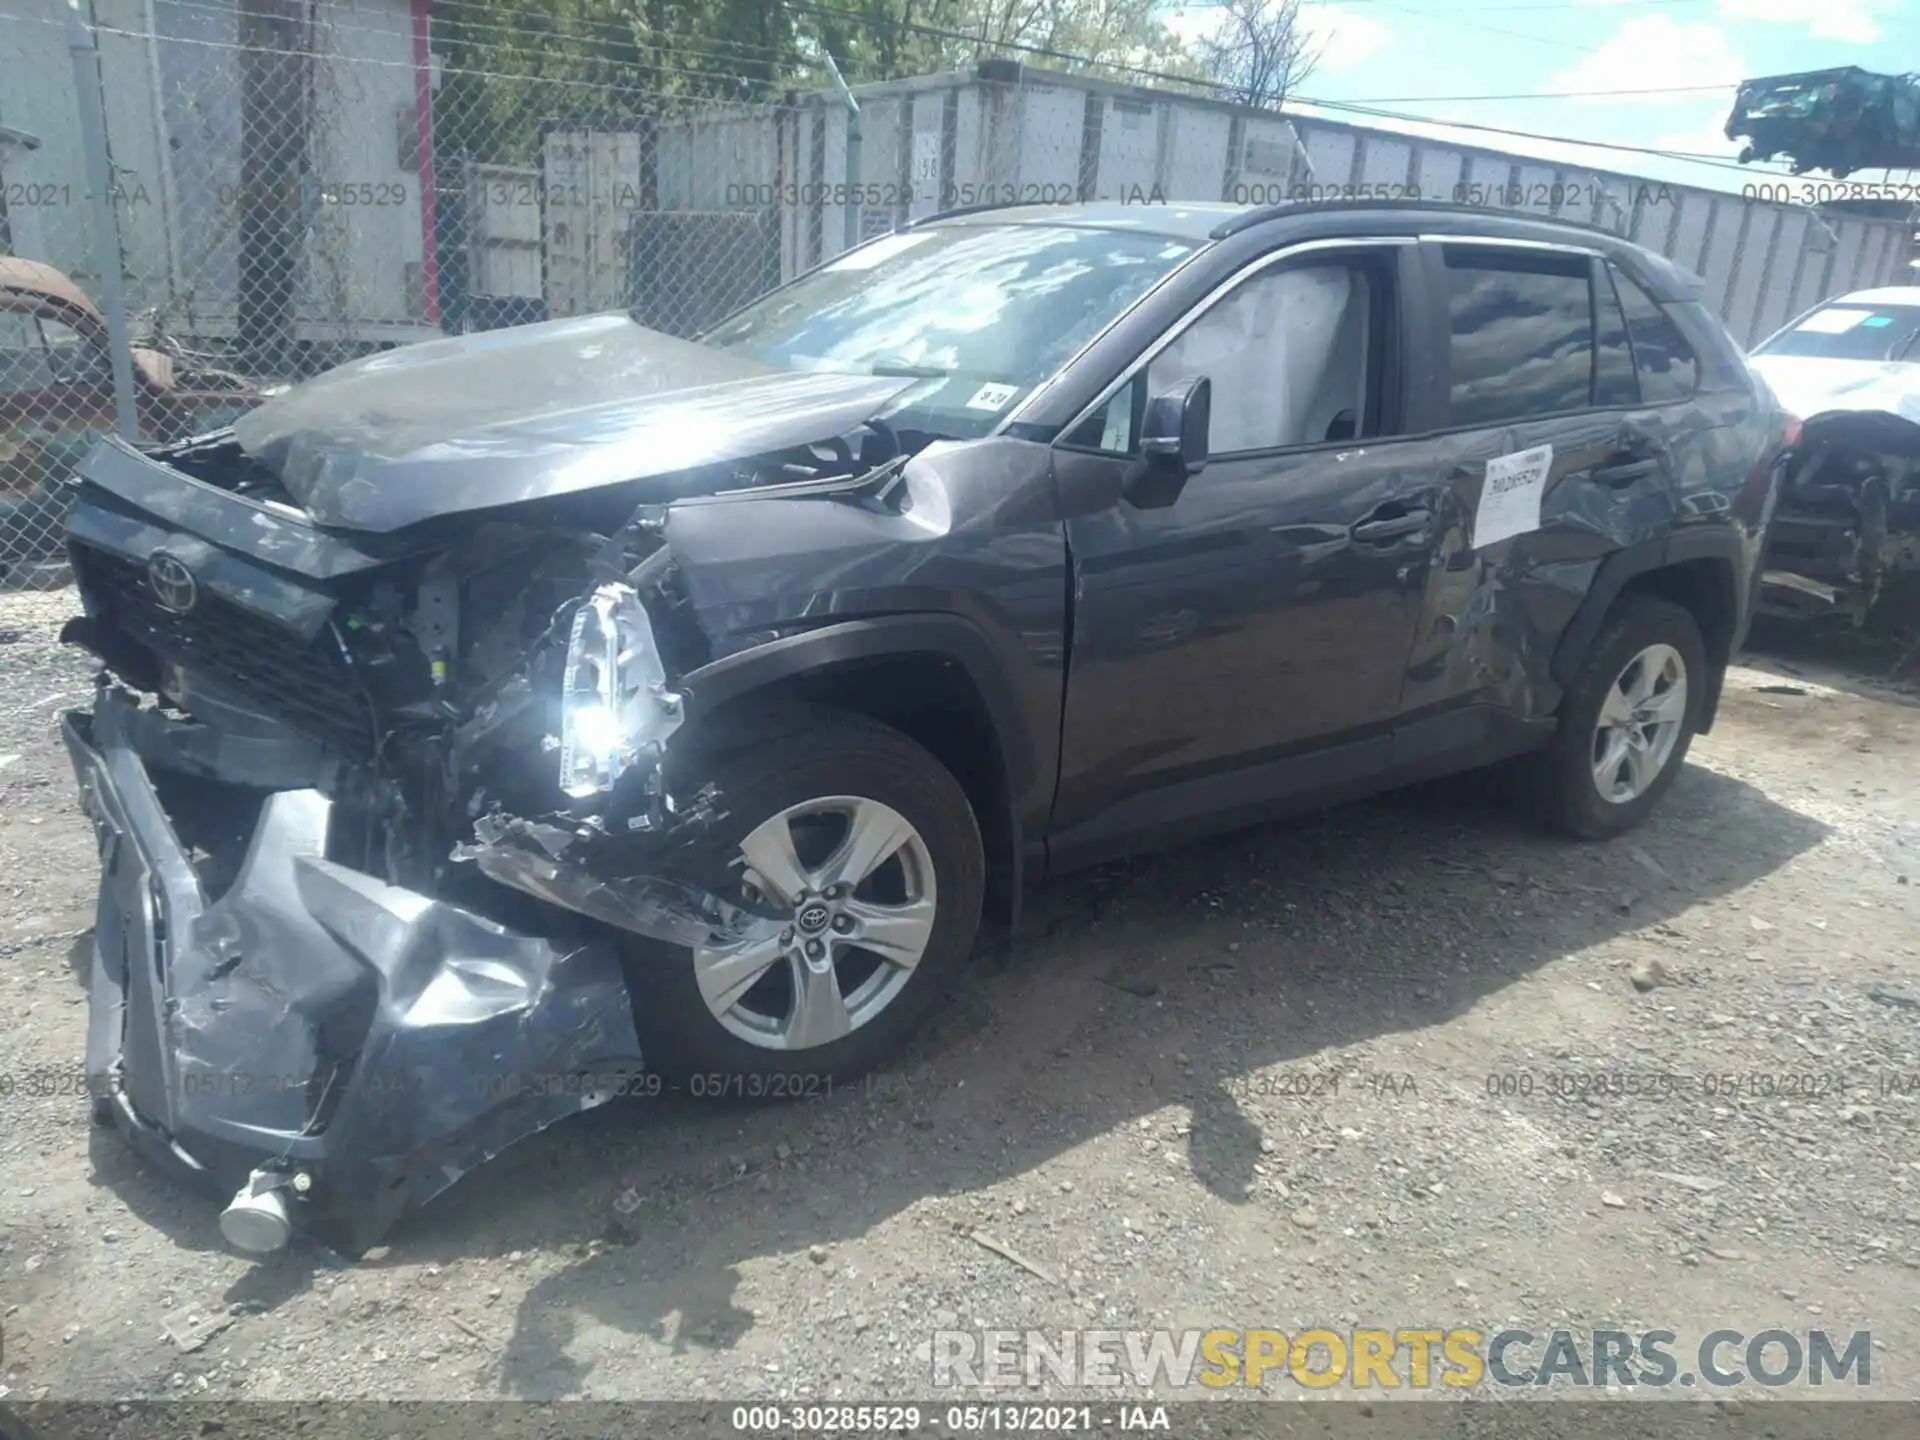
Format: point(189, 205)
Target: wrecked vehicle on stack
point(1847, 524)
point(1838, 121)
point(484, 720)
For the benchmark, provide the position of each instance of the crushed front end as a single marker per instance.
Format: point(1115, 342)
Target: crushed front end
point(304, 992)
point(379, 754)
point(1846, 525)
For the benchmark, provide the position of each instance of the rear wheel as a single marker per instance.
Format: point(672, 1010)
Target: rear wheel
point(1626, 722)
point(860, 856)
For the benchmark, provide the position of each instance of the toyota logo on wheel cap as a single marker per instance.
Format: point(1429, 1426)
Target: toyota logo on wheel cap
point(813, 918)
point(172, 583)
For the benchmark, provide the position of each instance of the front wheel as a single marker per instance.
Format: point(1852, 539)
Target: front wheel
point(862, 856)
point(1625, 724)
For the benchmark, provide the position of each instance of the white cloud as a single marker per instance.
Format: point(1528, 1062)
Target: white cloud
point(1346, 38)
point(1855, 21)
point(1707, 138)
point(1343, 36)
point(1653, 52)
point(1195, 25)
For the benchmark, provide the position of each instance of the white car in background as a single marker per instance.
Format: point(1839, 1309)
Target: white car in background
point(1855, 352)
point(1848, 517)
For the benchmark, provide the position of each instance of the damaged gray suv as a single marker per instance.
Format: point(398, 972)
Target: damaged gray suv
point(482, 720)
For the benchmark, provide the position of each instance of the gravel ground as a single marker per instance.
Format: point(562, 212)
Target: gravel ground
point(1302, 1075)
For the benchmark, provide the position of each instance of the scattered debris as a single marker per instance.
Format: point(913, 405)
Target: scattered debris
point(190, 1330)
point(1697, 1183)
point(1646, 974)
point(1881, 995)
point(1007, 1252)
point(1613, 1201)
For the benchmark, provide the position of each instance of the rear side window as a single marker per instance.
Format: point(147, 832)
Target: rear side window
point(1662, 358)
point(1521, 335)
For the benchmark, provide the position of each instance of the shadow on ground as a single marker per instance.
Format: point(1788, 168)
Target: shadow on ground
point(1158, 981)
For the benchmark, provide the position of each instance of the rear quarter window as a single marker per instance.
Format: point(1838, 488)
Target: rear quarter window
point(1664, 358)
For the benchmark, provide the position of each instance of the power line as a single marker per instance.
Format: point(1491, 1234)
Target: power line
point(1348, 107)
point(1549, 94)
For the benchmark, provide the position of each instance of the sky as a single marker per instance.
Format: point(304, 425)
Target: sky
point(1437, 59)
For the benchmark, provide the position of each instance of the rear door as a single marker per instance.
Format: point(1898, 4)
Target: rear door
point(1555, 461)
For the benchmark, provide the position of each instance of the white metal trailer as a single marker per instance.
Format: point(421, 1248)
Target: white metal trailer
point(171, 78)
point(1008, 133)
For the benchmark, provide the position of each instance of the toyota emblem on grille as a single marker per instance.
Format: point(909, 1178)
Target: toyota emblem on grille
point(173, 584)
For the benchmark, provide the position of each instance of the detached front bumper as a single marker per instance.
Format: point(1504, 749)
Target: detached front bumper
point(329, 1049)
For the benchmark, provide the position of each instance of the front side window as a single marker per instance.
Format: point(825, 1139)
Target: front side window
point(1521, 330)
point(24, 364)
point(980, 313)
point(74, 358)
point(1291, 355)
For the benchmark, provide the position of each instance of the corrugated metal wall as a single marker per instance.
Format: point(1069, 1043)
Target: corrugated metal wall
point(940, 141)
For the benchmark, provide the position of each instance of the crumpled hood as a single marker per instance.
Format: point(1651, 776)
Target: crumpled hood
point(1808, 385)
point(477, 421)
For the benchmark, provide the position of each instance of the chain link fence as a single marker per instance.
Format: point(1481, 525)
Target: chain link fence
point(204, 200)
point(220, 197)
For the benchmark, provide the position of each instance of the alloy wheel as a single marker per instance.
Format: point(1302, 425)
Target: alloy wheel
point(1639, 724)
point(851, 884)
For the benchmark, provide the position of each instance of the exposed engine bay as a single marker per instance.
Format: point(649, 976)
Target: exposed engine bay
point(1847, 520)
point(525, 669)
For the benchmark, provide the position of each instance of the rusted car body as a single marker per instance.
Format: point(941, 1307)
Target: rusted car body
point(56, 400)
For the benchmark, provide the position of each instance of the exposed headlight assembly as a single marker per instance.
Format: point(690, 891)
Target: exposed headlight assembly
point(616, 708)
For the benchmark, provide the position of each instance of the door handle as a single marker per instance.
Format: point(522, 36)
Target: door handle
point(1624, 472)
point(1376, 532)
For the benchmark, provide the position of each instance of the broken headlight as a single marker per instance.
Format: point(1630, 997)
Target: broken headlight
point(615, 706)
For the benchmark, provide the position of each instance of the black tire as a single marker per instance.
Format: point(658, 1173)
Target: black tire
point(827, 753)
point(1558, 782)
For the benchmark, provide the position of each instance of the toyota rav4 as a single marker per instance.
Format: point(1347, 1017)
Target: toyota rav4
point(477, 718)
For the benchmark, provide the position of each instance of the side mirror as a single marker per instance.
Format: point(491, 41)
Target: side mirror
point(1173, 444)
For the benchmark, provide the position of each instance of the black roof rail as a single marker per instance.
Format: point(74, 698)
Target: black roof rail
point(1246, 220)
point(1259, 215)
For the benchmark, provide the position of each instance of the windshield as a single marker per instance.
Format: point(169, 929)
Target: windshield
point(1851, 332)
point(983, 312)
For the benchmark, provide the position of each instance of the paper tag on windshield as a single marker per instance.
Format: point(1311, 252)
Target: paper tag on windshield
point(992, 397)
point(1833, 322)
point(1510, 498)
point(872, 253)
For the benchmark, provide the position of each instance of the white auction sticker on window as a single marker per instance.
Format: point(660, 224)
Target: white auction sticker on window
point(992, 397)
point(1510, 498)
point(1833, 322)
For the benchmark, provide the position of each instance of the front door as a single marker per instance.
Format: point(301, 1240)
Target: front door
point(1250, 640)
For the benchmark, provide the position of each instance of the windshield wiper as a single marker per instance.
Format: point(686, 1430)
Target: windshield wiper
point(907, 370)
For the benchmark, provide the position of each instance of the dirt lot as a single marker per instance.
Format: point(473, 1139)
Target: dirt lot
point(1304, 1075)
